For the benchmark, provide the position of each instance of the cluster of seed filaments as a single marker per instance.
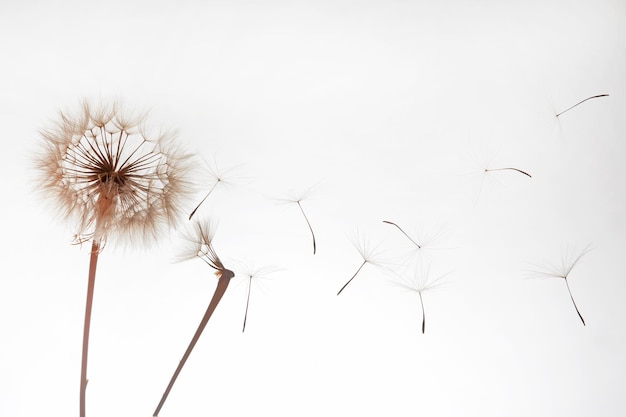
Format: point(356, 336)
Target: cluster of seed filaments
point(111, 172)
point(206, 252)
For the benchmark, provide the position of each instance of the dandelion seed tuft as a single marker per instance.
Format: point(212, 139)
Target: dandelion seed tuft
point(112, 177)
point(563, 270)
point(421, 281)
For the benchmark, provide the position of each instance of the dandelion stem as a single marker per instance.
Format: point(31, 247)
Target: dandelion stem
point(399, 228)
point(307, 222)
point(581, 102)
point(202, 201)
point(245, 317)
point(510, 169)
point(574, 302)
point(423, 314)
point(353, 276)
point(95, 248)
point(222, 284)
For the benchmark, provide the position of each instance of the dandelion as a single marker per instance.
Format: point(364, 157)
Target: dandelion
point(257, 274)
point(368, 253)
point(563, 270)
point(485, 171)
point(580, 102)
point(217, 178)
point(113, 180)
point(421, 282)
point(200, 244)
point(298, 198)
point(422, 242)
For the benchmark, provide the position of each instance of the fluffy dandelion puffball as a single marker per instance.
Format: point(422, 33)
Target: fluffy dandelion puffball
point(110, 176)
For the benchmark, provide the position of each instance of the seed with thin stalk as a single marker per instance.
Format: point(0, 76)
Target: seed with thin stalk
point(256, 275)
point(114, 180)
point(369, 255)
point(581, 102)
point(421, 282)
point(204, 198)
point(509, 169)
point(422, 242)
point(218, 178)
point(563, 271)
point(298, 198)
point(200, 244)
point(483, 165)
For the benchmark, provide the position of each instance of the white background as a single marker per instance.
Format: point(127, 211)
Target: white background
point(390, 110)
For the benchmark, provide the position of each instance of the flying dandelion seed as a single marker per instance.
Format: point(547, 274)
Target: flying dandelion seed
point(218, 178)
point(484, 170)
point(200, 244)
point(113, 181)
point(369, 255)
point(250, 276)
point(581, 102)
point(421, 282)
point(563, 271)
point(421, 243)
point(298, 198)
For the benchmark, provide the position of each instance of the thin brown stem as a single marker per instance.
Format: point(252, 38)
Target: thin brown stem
point(581, 102)
point(409, 237)
point(509, 169)
point(308, 223)
point(353, 276)
point(423, 314)
point(93, 261)
point(574, 302)
point(222, 284)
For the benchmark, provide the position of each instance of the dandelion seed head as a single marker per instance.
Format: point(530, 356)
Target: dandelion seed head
point(110, 176)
